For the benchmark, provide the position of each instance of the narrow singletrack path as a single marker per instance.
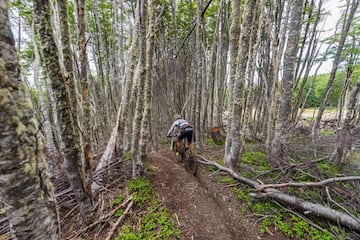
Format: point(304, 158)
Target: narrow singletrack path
point(204, 209)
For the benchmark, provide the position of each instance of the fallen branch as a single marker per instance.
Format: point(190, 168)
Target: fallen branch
point(308, 184)
point(113, 229)
point(102, 219)
point(105, 158)
point(308, 207)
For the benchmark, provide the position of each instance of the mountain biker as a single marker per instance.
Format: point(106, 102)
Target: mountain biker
point(182, 129)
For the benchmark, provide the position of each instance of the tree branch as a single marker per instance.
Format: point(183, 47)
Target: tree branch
point(308, 184)
point(308, 207)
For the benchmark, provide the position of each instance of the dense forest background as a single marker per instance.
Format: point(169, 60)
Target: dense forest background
point(105, 79)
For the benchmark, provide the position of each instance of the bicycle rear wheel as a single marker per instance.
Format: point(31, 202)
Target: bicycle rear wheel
point(190, 162)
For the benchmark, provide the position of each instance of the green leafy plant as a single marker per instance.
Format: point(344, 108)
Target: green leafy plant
point(141, 191)
point(328, 168)
point(153, 221)
point(256, 159)
point(226, 180)
point(118, 212)
point(210, 142)
point(118, 199)
point(127, 156)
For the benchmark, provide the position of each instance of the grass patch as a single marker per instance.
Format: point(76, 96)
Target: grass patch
point(256, 159)
point(324, 132)
point(226, 180)
point(127, 156)
point(328, 168)
point(211, 142)
point(151, 221)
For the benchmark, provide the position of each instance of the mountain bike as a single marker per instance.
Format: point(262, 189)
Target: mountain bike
point(185, 155)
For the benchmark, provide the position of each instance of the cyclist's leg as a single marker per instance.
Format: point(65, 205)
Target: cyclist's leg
point(180, 137)
point(189, 139)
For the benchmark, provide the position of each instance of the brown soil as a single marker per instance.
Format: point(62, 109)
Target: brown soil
point(205, 209)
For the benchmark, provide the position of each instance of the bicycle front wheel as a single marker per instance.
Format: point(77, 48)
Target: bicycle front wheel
point(190, 161)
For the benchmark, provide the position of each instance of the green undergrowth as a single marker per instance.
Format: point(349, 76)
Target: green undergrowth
point(211, 142)
point(149, 219)
point(273, 217)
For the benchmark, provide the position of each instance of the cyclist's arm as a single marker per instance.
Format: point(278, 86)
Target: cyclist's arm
point(171, 129)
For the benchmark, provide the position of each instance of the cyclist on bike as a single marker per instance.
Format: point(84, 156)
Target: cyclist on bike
point(182, 129)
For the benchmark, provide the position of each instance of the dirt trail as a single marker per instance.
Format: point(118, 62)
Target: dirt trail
point(205, 210)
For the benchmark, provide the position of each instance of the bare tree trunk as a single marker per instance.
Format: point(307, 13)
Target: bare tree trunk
point(100, 66)
point(25, 189)
point(198, 72)
point(309, 59)
point(45, 122)
point(237, 138)
point(277, 47)
point(129, 81)
point(59, 86)
point(347, 81)
point(221, 63)
point(344, 140)
point(344, 34)
point(85, 98)
point(233, 51)
point(68, 63)
point(148, 98)
point(290, 54)
point(137, 165)
point(247, 126)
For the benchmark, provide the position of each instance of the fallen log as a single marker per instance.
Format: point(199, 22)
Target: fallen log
point(308, 207)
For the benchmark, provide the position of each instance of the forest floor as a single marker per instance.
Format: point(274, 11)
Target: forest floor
point(205, 209)
point(202, 207)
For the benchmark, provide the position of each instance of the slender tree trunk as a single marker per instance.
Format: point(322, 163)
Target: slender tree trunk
point(277, 48)
point(140, 79)
point(45, 122)
point(233, 51)
point(148, 98)
point(198, 72)
point(344, 34)
point(232, 158)
point(129, 81)
point(59, 86)
point(68, 62)
point(288, 79)
point(100, 66)
point(25, 189)
point(85, 97)
point(344, 139)
point(247, 126)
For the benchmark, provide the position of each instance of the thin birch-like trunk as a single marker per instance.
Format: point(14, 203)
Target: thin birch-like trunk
point(233, 51)
point(277, 48)
point(335, 65)
point(232, 159)
point(288, 79)
point(59, 86)
point(344, 140)
point(148, 98)
point(44, 113)
point(25, 189)
point(137, 165)
point(129, 81)
point(85, 98)
point(247, 126)
point(198, 72)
